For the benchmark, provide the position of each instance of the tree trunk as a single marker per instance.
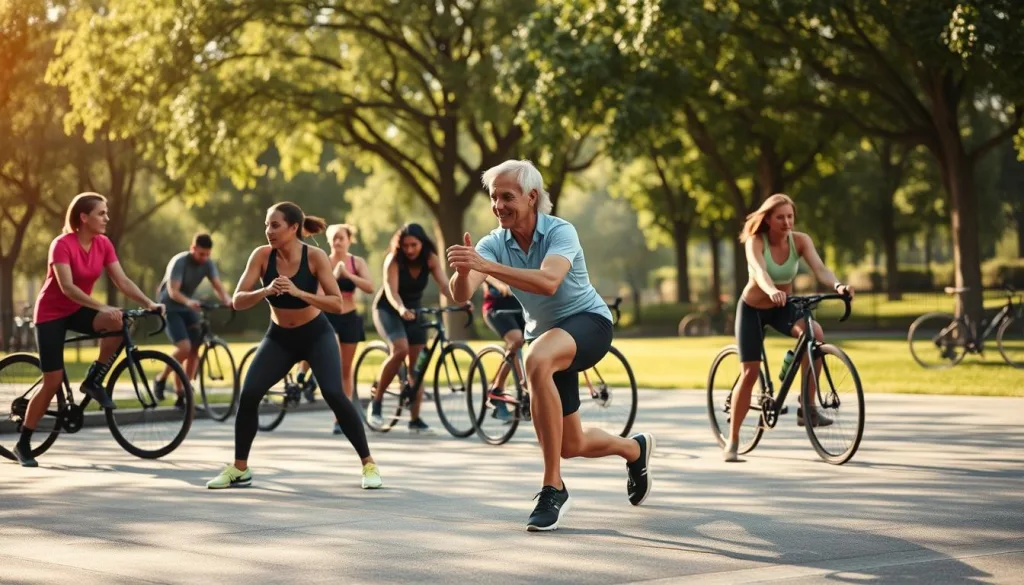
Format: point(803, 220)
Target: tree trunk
point(716, 272)
point(739, 263)
point(449, 227)
point(966, 242)
point(635, 292)
point(681, 237)
point(6, 302)
point(1018, 218)
point(890, 239)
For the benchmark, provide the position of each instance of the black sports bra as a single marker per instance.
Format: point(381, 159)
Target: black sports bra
point(346, 285)
point(303, 279)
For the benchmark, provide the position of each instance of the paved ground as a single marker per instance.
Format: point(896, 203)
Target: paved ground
point(933, 496)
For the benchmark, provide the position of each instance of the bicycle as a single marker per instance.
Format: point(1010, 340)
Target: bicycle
point(770, 408)
point(596, 400)
point(448, 361)
point(21, 376)
point(949, 339)
point(215, 361)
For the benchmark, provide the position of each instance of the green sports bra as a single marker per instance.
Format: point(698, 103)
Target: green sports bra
point(780, 273)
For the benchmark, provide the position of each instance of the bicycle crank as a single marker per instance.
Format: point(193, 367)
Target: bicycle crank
point(74, 418)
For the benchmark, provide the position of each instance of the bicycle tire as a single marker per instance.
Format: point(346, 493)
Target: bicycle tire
point(603, 402)
point(400, 377)
point(999, 340)
point(950, 320)
point(215, 411)
point(112, 415)
point(851, 450)
point(32, 360)
point(461, 386)
point(476, 398)
point(716, 429)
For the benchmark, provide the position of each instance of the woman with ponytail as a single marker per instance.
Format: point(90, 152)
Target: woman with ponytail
point(299, 331)
point(773, 252)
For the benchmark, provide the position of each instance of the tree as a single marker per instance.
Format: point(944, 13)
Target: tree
point(405, 86)
point(1010, 190)
point(33, 146)
point(884, 68)
point(663, 185)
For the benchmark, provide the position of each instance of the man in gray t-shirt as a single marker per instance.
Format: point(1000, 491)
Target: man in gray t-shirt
point(185, 272)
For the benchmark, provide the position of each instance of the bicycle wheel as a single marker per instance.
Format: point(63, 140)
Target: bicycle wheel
point(608, 395)
point(451, 385)
point(723, 379)
point(837, 386)
point(1010, 338)
point(365, 375)
point(937, 340)
point(21, 377)
point(218, 382)
point(141, 425)
point(491, 429)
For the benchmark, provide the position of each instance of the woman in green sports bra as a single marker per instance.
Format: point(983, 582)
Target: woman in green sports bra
point(773, 251)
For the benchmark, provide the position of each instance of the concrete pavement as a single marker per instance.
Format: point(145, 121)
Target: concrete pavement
point(933, 496)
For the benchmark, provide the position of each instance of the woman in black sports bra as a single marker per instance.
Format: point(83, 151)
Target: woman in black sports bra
point(411, 250)
point(299, 331)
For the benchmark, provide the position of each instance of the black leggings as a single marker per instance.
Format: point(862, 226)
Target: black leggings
point(281, 349)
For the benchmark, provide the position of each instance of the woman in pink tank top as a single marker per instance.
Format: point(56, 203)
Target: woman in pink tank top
point(76, 261)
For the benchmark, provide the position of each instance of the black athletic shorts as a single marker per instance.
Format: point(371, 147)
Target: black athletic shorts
point(750, 324)
point(593, 336)
point(348, 326)
point(50, 336)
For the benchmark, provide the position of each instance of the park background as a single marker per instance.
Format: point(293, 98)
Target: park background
point(895, 126)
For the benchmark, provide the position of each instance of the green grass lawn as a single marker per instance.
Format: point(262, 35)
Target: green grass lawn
point(884, 365)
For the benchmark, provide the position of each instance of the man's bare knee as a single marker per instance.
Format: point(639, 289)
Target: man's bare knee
point(538, 366)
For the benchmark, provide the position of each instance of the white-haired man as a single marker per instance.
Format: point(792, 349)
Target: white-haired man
point(568, 325)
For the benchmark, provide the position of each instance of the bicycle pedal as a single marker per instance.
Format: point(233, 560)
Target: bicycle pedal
point(784, 410)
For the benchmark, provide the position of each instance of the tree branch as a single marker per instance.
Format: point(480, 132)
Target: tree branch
point(995, 140)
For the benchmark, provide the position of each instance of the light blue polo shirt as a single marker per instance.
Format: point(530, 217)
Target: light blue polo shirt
point(553, 236)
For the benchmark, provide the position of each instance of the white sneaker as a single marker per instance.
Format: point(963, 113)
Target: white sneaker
point(376, 420)
point(730, 452)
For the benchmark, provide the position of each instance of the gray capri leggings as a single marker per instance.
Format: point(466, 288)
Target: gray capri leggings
point(282, 348)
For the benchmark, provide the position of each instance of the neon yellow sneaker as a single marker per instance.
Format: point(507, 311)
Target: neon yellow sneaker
point(231, 478)
point(371, 477)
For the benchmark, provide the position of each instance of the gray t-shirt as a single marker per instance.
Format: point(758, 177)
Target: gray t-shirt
point(189, 273)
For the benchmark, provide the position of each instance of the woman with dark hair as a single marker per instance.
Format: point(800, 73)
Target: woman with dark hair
point(299, 332)
point(76, 260)
point(411, 256)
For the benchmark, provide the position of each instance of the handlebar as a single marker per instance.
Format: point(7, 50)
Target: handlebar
point(211, 306)
point(130, 314)
point(438, 310)
point(811, 301)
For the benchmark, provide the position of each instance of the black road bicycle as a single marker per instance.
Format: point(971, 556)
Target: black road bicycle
point(450, 385)
point(141, 424)
point(834, 399)
point(941, 340)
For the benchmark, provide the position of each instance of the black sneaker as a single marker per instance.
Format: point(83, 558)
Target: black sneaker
point(180, 402)
point(638, 482)
point(159, 389)
point(93, 387)
point(418, 426)
point(552, 505)
point(24, 456)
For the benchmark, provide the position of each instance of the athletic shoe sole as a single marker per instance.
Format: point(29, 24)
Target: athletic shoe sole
point(651, 444)
point(561, 512)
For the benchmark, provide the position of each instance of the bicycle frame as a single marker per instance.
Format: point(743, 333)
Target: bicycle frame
point(805, 346)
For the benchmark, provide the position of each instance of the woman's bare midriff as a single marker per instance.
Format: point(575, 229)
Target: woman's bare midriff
point(755, 297)
point(348, 304)
point(292, 318)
